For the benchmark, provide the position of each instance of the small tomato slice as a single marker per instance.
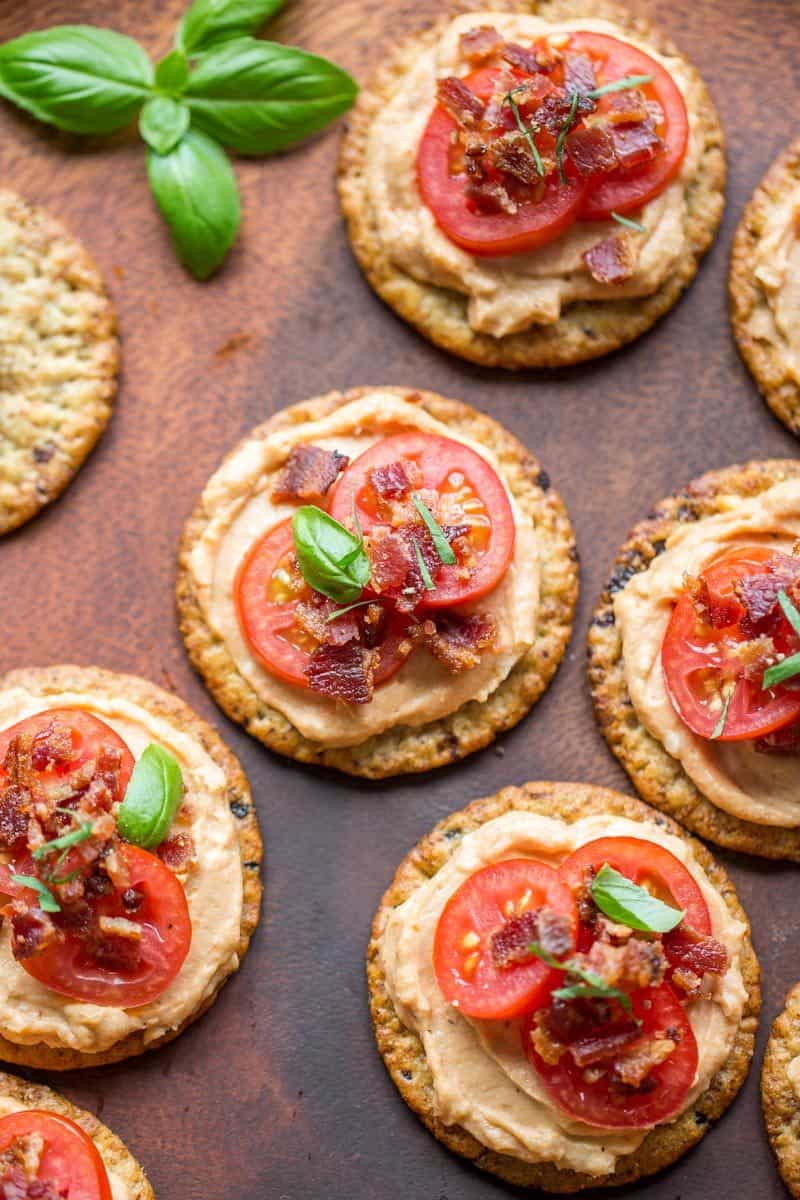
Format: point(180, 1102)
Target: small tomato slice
point(694, 658)
point(267, 590)
point(66, 968)
point(88, 732)
point(457, 473)
point(70, 1164)
point(624, 191)
point(489, 234)
point(462, 956)
point(658, 1009)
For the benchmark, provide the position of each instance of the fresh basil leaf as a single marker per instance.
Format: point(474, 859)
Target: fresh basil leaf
point(163, 122)
point(47, 901)
point(331, 558)
point(172, 73)
point(79, 78)
point(440, 542)
point(624, 902)
point(259, 97)
point(66, 841)
point(208, 22)
point(196, 191)
point(152, 798)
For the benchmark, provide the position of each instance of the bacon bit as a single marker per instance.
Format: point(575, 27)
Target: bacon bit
point(626, 108)
point(512, 155)
point(758, 595)
point(13, 817)
point(309, 474)
point(637, 1064)
point(655, 112)
point(696, 952)
point(530, 94)
point(15, 1185)
point(610, 261)
point(489, 197)
point(390, 482)
point(31, 930)
point(390, 559)
point(687, 981)
point(510, 943)
point(117, 944)
point(52, 747)
point(521, 59)
point(749, 659)
point(343, 672)
point(605, 1046)
point(312, 618)
point(591, 149)
point(579, 76)
point(712, 608)
point(462, 104)
point(635, 964)
point(477, 46)
point(591, 1023)
point(456, 641)
point(23, 1155)
point(178, 852)
point(636, 144)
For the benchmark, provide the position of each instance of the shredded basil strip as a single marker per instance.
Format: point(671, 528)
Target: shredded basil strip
point(526, 131)
point(628, 223)
point(719, 728)
point(423, 570)
point(339, 612)
point(66, 841)
point(152, 798)
point(332, 560)
point(789, 610)
point(624, 902)
point(440, 542)
point(620, 85)
point(588, 978)
point(47, 901)
point(565, 128)
point(781, 672)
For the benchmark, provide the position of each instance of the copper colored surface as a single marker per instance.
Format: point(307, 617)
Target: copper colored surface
point(279, 1094)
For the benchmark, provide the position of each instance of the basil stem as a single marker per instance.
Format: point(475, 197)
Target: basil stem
point(565, 128)
point(427, 582)
point(152, 798)
point(440, 542)
point(781, 672)
point(524, 129)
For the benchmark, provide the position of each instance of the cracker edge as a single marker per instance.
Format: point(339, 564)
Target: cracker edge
point(780, 1105)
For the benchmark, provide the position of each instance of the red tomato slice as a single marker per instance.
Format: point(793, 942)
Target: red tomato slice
point(461, 951)
point(65, 967)
point(267, 591)
point(692, 656)
point(88, 734)
point(596, 1103)
point(624, 191)
point(489, 234)
point(645, 863)
point(450, 468)
point(71, 1164)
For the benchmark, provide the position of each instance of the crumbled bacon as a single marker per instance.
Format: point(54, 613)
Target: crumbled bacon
point(178, 852)
point(390, 559)
point(309, 473)
point(31, 930)
point(591, 149)
point(117, 944)
point(696, 952)
point(312, 618)
point(16, 1185)
point(530, 94)
point(594, 1027)
point(343, 672)
point(748, 660)
point(634, 964)
point(758, 595)
point(13, 817)
point(478, 45)
point(512, 155)
point(636, 144)
point(489, 197)
point(462, 104)
point(374, 627)
point(579, 75)
point(626, 108)
point(610, 261)
point(456, 641)
point(51, 747)
point(521, 59)
point(391, 482)
point(712, 608)
point(510, 943)
point(634, 1067)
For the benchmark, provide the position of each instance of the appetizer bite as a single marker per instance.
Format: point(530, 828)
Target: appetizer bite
point(563, 986)
point(533, 189)
point(129, 866)
point(694, 658)
point(780, 1091)
point(379, 580)
point(60, 359)
point(764, 287)
point(52, 1150)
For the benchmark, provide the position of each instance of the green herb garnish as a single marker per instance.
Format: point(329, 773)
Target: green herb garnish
point(628, 223)
point(423, 570)
point(339, 612)
point(47, 901)
point(332, 560)
point(620, 85)
point(565, 128)
point(152, 798)
point(526, 130)
point(623, 901)
point(789, 610)
point(789, 667)
point(719, 728)
point(440, 542)
point(590, 985)
point(66, 841)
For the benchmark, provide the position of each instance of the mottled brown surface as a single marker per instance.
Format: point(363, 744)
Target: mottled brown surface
point(279, 1092)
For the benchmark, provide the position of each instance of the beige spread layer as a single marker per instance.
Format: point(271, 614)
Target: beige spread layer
point(777, 269)
point(755, 787)
point(119, 1188)
point(239, 498)
point(29, 1012)
point(507, 295)
point(481, 1076)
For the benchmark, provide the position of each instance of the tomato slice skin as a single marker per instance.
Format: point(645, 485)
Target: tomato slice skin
point(596, 1104)
point(488, 234)
point(624, 191)
point(88, 732)
point(477, 909)
point(690, 656)
point(266, 624)
point(71, 1163)
point(440, 460)
point(166, 939)
point(645, 863)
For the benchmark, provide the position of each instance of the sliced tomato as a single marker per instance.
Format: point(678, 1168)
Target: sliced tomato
point(624, 191)
point(695, 657)
point(268, 589)
point(457, 473)
point(89, 733)
point(66, 968)
point(70, 1164)
point(489, 234)
point(645, 863)
point(658, 1009)
point(462, 956)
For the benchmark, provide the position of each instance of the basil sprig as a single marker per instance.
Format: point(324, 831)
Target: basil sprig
point(590, 985)
point(789, 667)
point(65, 842)
point(47, 901)
point(624, 902)
point(332, 560)
point(152, 798)
point(620, 85)
point(218, 87)
point(440, 542)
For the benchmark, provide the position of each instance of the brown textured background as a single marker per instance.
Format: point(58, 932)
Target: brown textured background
point(278, 1094)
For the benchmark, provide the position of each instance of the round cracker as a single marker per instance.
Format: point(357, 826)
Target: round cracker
point(586, 329)
point(763, 356)
point(475, 724)
point(658, 777)
point(53, 681)
point(780, 1101)
point(402, 1050)
point(59, 358)
point(115, 1154)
